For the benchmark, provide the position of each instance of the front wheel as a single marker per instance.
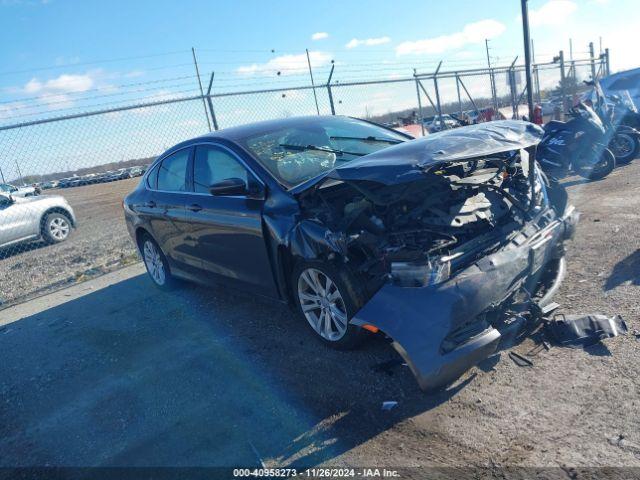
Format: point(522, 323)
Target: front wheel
point(624, 147)
point(56, 228)
point(601, 163)
point(327, 297)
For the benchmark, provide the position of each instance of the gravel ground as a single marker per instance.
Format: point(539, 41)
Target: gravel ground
point(202, 376)
point(99, 244)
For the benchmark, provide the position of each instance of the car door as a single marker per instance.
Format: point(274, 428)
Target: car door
point(227, 230)
point(18, 220)
point(165, 206)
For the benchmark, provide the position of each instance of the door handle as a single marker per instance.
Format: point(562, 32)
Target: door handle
point(194, 208)
point(150, 204)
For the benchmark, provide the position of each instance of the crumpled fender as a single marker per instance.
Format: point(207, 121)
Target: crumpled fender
point(310, 239)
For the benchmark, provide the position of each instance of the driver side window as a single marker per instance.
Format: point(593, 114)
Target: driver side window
point(212, 165)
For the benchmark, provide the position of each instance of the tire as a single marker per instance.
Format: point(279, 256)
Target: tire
point(624, 147)
point(602, 168)
point(55, 228)
point(339, 334)
point(156, 264)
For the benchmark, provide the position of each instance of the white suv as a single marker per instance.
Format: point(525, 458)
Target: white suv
point(23, 219)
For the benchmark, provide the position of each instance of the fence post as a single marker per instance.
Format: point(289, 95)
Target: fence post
point(536, 77)
point(333, 109)
point(592, 60)
point(210, 102)
point(195, 62)
point(415, 76)
point(512, 88)
point(562, 83)
point(458, 91)
point(435, 84)
point(494, 89)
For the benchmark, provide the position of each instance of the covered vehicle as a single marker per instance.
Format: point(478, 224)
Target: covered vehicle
point(441, 243)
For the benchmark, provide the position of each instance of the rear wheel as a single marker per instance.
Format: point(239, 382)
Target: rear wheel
point(156, 264)
point(326, 298)
point(624, 147)
point(599, 166)
point(56, 228)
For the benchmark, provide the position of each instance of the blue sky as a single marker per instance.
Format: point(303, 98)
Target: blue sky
point(63, 56)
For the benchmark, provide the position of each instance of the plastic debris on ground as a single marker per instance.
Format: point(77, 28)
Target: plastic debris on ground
point(577, 331)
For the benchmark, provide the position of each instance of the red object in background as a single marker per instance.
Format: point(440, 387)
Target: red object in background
point(537, 115)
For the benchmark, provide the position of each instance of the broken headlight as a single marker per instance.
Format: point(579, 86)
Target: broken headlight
point(422, 274)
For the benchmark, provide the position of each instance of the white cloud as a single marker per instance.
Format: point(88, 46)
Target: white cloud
point(552, 13)
point(319, 36)
point(65, 83)
point(471, 33)
point(368, 42)
point(55, 92)
point(287, 64)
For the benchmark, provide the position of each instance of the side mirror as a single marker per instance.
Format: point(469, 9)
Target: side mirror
point(6, 199)
point(229, 187)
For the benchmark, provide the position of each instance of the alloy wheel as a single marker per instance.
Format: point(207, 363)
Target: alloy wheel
point(59, 228)
point(322, 304)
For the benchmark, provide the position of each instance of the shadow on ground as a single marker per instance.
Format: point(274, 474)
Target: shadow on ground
point(203, 376)
point(7, 252)
point(626, 270)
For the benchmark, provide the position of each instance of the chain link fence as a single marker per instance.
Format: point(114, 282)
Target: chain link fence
point(62, 180)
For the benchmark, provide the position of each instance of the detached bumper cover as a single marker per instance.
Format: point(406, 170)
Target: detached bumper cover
point(420, 319)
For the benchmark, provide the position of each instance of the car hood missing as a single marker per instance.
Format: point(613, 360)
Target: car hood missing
point(407, 161)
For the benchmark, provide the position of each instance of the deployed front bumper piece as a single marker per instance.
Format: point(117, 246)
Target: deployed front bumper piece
point(422, 320)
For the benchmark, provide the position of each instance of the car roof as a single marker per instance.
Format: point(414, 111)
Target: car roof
point(243, 131)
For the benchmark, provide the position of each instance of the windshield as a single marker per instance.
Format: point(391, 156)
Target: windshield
point(296, 154)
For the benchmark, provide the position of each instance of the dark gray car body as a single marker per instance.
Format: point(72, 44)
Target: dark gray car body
point(259, 239)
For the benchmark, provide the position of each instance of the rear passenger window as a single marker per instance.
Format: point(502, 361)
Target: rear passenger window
point(152, 178)
point(172, 176)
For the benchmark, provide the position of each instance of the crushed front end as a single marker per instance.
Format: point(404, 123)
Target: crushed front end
point(457, 246)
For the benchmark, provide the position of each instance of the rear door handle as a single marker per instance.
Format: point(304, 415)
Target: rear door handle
point(150, 204)
point(194, 208)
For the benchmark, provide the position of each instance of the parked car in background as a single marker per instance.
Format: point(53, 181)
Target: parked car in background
point(443, 243)
point(23, 219)
point(137, 171)
point(24, 191)
point(442, 122)
point(120, 174)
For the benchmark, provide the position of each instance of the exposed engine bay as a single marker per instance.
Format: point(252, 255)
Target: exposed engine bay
point(421, 231)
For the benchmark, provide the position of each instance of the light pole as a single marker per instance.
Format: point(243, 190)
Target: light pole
point(527, 55)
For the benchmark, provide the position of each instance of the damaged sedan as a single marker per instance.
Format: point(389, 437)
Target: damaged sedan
point(449, 245)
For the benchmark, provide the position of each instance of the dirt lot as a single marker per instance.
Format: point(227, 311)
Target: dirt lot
point(100, 244)
point(126, 375)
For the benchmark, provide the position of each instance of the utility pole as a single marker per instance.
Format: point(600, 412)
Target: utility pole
point(19, 172)
point(607, 60)
point(562, 81)
point(527, 55)
point(204, 104)
point(535, 71)
point(492, 80)
point(592, 60)
point(571, 49)
point(313, 86)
